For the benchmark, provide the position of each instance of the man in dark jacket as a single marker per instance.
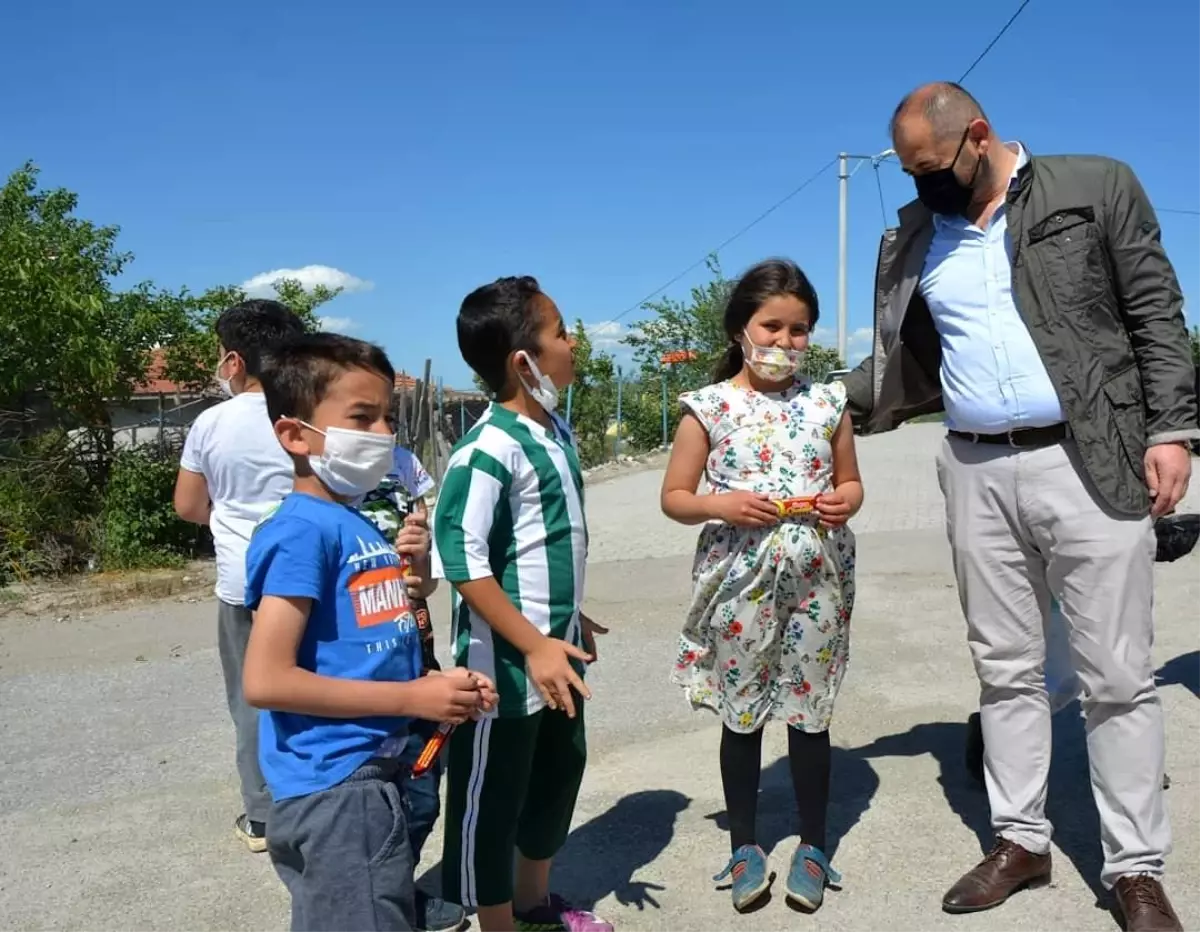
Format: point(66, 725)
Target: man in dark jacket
point(1030, 299)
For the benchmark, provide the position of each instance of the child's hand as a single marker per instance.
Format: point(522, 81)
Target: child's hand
point(412, 541)
point(488, 697)
point(549, 665)
point(744, 509)
point(447, 697)
point(590, 631)
point(413, 538)
point(834, 508)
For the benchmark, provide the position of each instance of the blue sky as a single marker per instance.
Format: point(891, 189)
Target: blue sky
point(423, 149)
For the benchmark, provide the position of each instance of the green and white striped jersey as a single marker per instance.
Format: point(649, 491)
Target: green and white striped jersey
point(511, 507)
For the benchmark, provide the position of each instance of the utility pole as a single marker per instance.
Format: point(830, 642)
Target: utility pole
point(843, 197)
point(844, 176)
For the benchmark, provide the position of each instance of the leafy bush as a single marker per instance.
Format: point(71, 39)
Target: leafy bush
point(47, 507)
point(138, 525)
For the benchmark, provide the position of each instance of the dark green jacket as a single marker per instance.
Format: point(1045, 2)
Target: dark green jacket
point(1095, 288)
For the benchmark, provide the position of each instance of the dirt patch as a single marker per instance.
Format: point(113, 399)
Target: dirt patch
point(64, 596)
point(76, 593)
point(625, 466)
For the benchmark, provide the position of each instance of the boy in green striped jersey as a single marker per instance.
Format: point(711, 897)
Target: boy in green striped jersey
point(510, 536)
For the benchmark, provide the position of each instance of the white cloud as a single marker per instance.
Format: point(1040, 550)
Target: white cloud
point(310, 276)
point(858, 342)
point(858, 345)
point(607, 336)
point(337, 324)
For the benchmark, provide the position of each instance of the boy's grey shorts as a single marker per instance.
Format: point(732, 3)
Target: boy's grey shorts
point(343, 854)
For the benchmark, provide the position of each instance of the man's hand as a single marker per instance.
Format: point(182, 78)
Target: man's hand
point(1168, 470)
point(550, 666)
point(590, 631)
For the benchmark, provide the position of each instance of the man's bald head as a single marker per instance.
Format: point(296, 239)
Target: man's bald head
point(944, 140)
point(947, 109)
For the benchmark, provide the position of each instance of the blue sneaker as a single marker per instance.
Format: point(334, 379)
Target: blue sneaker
point(436, 915)
point(750, 878)
point(810, 873)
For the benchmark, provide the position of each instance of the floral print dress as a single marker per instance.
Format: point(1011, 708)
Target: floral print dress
point(768, 631)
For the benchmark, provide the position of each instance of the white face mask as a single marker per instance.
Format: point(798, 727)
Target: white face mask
point(544, 392)
point(226, 385)
point(354, 461)
point(771, 363)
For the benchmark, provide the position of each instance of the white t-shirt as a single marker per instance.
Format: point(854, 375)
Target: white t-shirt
point(408, 471)
point(235, 448)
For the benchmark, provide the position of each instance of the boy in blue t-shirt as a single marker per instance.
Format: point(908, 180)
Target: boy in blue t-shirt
point(334, 656)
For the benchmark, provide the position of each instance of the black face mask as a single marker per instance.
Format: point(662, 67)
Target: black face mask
point(942, 192)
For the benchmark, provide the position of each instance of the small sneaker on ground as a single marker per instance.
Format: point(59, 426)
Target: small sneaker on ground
point(252, 834)
point(436, 915)
point(808, 877)
point(557, 915)
point(747, 870)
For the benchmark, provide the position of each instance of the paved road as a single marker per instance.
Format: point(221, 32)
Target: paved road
point(117, 791)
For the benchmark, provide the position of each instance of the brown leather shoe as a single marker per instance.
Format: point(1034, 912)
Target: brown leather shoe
point(1007, 869)
point(1145, 906)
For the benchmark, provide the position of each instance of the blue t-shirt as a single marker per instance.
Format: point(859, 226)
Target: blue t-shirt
point(360, 628)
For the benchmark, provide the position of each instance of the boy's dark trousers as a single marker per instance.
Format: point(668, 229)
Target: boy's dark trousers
point(344, 854)
point(423, 792)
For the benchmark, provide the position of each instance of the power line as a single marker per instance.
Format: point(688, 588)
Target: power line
point(879, 185)
point(821, 171)
point(809, 180)
point(982, 55)
point(740, 233)
point(1177, 210)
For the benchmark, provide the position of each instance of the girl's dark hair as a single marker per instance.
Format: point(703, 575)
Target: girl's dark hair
point(771, 278)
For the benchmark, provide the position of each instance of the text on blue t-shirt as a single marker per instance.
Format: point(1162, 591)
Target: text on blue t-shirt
point(360, 628)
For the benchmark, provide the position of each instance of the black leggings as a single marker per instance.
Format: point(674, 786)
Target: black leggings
point(741, 766)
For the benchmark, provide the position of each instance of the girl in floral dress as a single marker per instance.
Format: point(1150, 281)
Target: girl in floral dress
point(767, 633)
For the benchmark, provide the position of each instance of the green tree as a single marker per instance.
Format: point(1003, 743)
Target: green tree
point(66, 335)
point(593, 397)
point(191, 352)
point(695, 326)
point(1194, 337)
point(819, 361)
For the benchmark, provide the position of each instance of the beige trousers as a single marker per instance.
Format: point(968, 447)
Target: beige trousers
point(1025, 525)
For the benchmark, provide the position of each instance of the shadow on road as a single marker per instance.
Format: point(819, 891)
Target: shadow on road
point(1184, 671)
point(945, 742)
point(601, 857)
point(853, 783)
point(1069, 804)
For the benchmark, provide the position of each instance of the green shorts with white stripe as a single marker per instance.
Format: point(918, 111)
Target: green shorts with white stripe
point(511, 786)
